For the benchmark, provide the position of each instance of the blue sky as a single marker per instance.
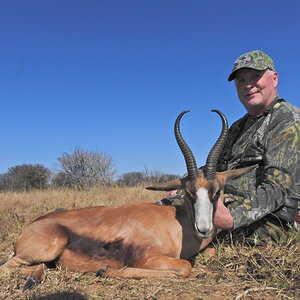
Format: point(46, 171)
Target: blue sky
point(112, 75)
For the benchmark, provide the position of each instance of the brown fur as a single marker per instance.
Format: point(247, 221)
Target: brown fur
point(138, 240)
point(202, 182)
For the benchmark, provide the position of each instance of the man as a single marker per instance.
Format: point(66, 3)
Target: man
point(262, 205)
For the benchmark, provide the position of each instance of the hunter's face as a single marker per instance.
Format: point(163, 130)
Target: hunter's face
point(256, 89)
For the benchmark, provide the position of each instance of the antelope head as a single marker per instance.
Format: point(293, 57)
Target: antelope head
point(203, 186)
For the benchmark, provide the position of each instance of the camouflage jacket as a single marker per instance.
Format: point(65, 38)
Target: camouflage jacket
point(272, 141)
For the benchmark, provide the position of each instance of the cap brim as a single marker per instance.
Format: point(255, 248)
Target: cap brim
point(232, 76)
point(233, 73)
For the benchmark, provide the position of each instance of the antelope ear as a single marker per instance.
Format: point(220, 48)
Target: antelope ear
point(166, 186)
point(231, 174)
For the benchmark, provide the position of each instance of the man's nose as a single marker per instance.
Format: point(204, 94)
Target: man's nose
point(248, 85)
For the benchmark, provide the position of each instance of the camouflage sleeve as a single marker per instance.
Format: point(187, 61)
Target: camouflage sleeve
point(278, 181)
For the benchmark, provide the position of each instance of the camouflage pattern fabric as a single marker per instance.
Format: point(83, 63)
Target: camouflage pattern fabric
point(270, 229)
point(265, 231)
point(264, 202)
point(272, 142)
point(256, 60)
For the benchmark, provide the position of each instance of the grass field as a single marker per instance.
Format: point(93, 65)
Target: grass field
point(236, 272)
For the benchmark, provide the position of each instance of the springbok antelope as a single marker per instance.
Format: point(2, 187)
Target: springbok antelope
point(137, 240)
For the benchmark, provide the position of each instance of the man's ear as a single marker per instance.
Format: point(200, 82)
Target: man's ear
point(275, 79)
point(166, 186)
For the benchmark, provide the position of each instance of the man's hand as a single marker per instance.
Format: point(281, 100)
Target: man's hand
point(222, 218)
point(169, 193)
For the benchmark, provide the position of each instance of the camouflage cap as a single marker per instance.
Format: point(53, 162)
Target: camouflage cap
point(256, 60)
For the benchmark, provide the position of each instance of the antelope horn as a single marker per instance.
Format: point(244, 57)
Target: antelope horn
point(213, 156)
point(189, 158)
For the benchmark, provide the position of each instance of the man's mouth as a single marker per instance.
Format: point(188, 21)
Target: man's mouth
point(251, 94)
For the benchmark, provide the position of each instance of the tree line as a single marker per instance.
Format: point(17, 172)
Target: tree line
point(81, 169)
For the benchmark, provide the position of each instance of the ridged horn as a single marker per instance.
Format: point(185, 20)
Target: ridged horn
point(213, 156)
point(189, 158)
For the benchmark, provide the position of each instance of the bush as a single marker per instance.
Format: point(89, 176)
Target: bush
point(25, 178)
point(146, 177)
point(84, 169)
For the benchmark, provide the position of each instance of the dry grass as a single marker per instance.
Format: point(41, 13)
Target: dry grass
point(237, 272)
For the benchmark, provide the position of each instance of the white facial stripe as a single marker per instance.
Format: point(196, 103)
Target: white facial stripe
point(203, 211)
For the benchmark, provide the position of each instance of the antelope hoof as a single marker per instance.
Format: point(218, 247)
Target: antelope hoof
point(30, 283)
point(101, 272)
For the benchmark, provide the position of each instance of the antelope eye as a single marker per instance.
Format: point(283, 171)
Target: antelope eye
point(216, 196)
point(192, 193)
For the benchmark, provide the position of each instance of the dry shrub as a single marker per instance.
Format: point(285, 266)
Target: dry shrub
point(236, 272)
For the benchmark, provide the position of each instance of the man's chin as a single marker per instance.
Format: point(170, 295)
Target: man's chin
point(254, 101)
